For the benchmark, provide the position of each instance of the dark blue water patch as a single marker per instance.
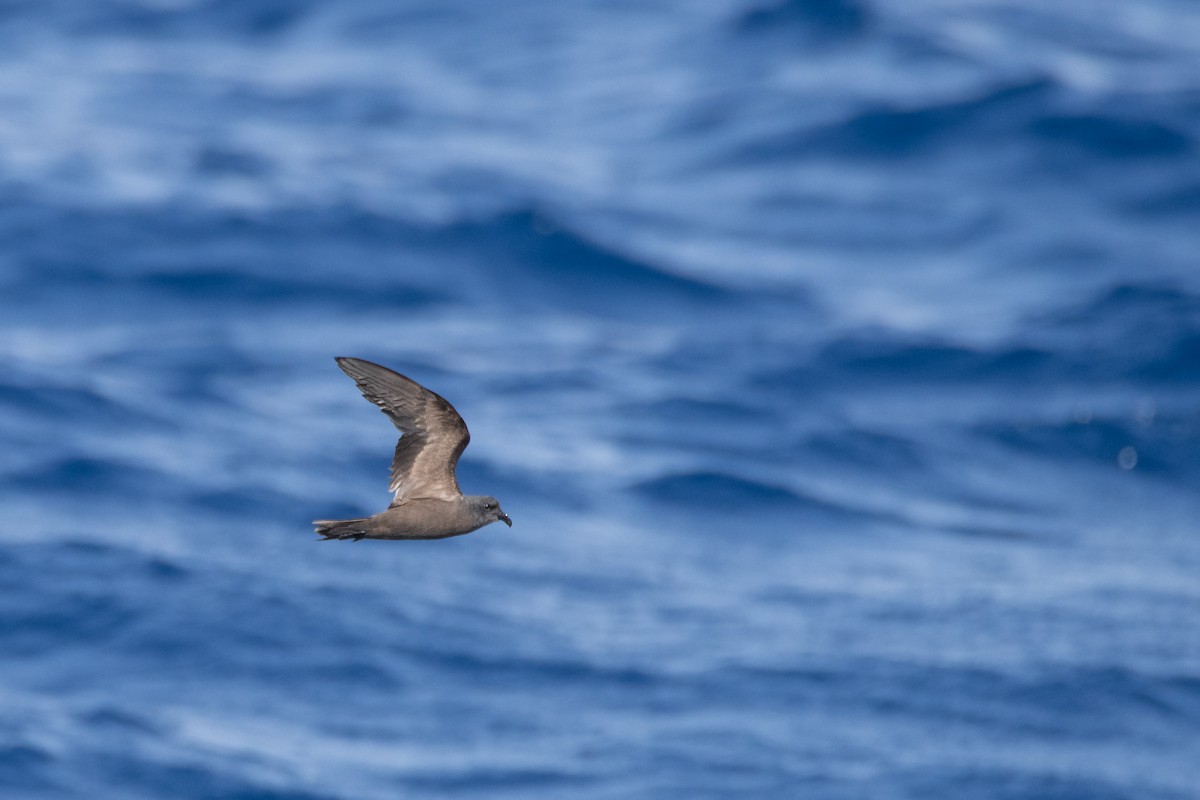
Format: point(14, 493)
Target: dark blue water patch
point(47, 235)
point(821, 18)
point(1099, 135)
point(718, 493)
point(259, 629)
point(583, 586)
point(226, 261)
point(548, 383)
point(246, 503)
point(72, 405)
point(1172, 697)
point(884, 357)
point(548, 264)
point(871, 449)
point(1130, 305)
point(996, 783)
point(113, 720)
point(1181, 200)
point(190, 779)
point(1146, 332)
point(1180, 363)
point(75, 593)
point(82, 476)
point(1090, 704)
point(1124, 337)
point(993, 532)
point(185, 262)
point(21, 756)
point(322, 106)
point(253, 19)
point(178, 371)
point(876, 223)
point(719, 429)
point(1134, 703)
point(226, 288)
point(496, 779)
point(697, 411)
point(188, 365)
point(481, 665)
point(707, 350)
point(889, 131)
point(368, 676)
point(702, 765)
point(127, 610)
point(41, 624)
point(216, 161)
point(28, 771)
point(1167, 446)
point(389, 22)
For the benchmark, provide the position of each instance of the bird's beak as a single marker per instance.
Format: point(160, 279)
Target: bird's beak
point(504, 518)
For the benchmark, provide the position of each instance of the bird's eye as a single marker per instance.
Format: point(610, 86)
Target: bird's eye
point(489, 506)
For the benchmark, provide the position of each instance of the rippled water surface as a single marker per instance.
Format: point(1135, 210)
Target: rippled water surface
point(838, 363)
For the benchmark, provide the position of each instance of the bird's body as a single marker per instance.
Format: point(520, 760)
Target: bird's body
point(426, 501)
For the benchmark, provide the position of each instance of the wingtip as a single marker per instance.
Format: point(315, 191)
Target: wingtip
point(347, 363)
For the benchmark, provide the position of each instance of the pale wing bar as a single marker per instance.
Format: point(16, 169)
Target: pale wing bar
point(434, 434)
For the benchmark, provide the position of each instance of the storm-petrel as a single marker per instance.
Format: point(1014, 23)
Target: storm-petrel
point(426, 502)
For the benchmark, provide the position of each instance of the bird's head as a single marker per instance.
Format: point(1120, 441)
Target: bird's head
point(489, 510)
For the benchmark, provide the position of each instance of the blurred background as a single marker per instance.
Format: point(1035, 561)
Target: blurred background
point(837, 361)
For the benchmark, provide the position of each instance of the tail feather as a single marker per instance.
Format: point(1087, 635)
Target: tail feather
point(354, 529)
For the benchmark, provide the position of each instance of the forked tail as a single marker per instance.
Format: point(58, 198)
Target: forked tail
point(342, 528)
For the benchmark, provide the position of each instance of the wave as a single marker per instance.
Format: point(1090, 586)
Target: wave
point(56, 403)
point(889, 131)
point(230, 287)
point(84, 475)
point(1040, 701)
point(61, 602)
point(1148, 332)
point(721, 493)
point(1177, 201)
point(885, 358)
point(1112, 137)
point(824, 18)
point(1029, 111)
point(1130, 333)
point(546, 262)
point(252, 19)
point(521, 258)
point(1165, 446)
point(27, 767)
point(889, 358)
point(870, 449)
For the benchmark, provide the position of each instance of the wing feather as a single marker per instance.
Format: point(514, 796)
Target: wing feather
point(433, 434)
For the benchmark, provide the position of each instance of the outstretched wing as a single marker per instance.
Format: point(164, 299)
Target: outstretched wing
point(434, 435)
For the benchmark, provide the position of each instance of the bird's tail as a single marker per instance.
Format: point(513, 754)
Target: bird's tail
point(342, 528)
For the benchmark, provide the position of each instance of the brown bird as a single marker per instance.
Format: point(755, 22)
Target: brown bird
point(426, 501)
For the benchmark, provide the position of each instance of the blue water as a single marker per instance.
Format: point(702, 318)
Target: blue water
point(837, 361)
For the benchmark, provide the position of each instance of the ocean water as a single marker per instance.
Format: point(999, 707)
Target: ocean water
point(838, 363)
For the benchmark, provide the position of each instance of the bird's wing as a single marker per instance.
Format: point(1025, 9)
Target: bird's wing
point(434, 435)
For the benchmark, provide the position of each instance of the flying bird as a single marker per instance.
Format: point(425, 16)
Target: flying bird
point(426, 500)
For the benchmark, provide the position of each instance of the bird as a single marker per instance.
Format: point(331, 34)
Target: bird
point(426, 500)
